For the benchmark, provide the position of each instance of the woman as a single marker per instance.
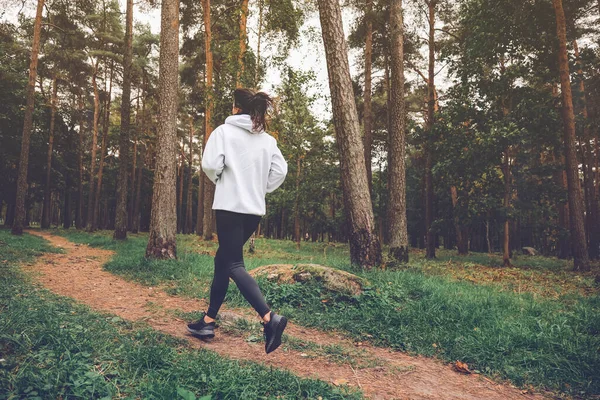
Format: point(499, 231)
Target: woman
point(245, 163)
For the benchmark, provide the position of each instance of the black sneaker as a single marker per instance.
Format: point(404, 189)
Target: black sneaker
point(202, 329)
point(273, 331)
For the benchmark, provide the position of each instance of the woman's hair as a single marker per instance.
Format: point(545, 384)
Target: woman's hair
point(257, 105)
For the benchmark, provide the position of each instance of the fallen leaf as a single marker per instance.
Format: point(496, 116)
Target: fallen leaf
point(461, 367)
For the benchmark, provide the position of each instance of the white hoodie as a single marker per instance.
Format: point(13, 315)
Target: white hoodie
point(244, 164)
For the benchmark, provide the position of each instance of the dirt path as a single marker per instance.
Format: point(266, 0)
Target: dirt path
point(78, 274)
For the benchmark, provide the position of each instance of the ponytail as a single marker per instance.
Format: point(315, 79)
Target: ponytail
point(257, 105)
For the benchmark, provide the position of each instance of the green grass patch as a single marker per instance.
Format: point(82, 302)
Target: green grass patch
point(535, 324)
point(51, 347)
point(550, 344)
point(24, 248)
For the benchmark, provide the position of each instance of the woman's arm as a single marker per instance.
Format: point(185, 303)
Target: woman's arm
point(213, 158)
point(277, 172)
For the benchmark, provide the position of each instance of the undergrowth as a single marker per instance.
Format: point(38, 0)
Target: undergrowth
point(51, 347)
point(545, 333)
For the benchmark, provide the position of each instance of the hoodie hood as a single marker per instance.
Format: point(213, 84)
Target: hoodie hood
point(243, 121)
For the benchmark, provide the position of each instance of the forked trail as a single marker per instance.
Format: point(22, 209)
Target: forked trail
point(78, 274)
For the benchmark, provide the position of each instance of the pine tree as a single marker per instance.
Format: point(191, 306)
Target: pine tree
point(579, 244)
point(121, 214)
point(19, 221)
point(396, 169)
point(365, 249)
point(163, 220)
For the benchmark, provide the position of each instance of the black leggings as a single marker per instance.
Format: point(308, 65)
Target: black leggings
point(233, 230)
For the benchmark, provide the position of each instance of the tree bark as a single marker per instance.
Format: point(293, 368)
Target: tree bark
point(297, 206)
point(188, 212)
point(145, 156)
point(19, 219)
point(134, 154)
point(365, 249)
point(397, 169)
point(429, 194)
point(461, 239)
point(243, 37)
point(506, 236)
point(592, 211)
point(579, 245)
point(209, 187)
point(121, 211)
point(200, 209)
point(261, 4)
point(163, 219)
point(368, 114)
point(90, 210)
point(135, 223)
point(180, 189)
point(46, 210)
point(105, 128)
point(79, 210)
point(67, 215)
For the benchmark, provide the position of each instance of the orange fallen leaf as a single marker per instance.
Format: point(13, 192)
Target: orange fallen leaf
point(461, 367)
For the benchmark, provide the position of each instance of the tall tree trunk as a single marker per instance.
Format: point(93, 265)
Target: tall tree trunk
point(487, 232)
point(564, 248)
point(67, 216)
point(365, 249)
point(188, 212)
point(560, 178)
point(368, 114)
point(79, 210)
point(297, 206)
point(261, 4)
point(90, 210)
point(105, 128)
point(461, 237)
point(209, 187)
point(593, 218)
point(135, 225)
point(429, 233)
point(507, 185)
point(180, 191)
point(163, 219)
point(46, 210)
point(200, 209)
point(121, 211)
point(397, 171)
point(243, 37)
point(17, 226)
point(579, 245)
point(134, 162)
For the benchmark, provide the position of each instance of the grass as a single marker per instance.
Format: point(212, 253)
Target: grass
point(51, 347)
point(536, 324)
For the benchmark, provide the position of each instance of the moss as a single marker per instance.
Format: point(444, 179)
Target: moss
point(333, 279)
